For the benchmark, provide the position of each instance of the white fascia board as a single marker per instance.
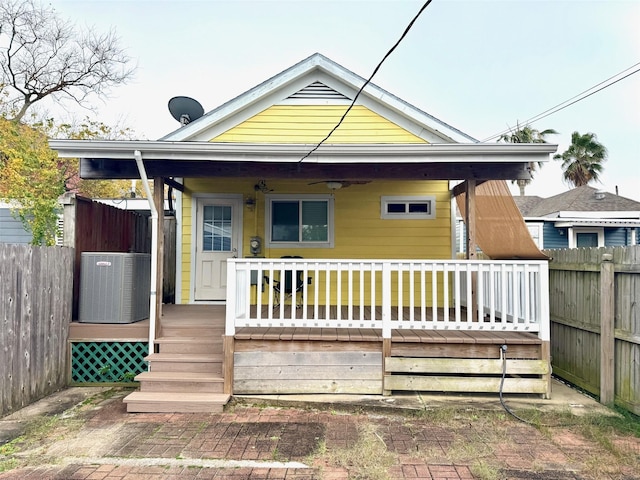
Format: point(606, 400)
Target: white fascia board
point(292, 153)
point(299, 76)
point(597, 223)
point(600, 214)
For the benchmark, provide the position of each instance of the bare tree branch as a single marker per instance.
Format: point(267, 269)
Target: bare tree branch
point(42, 55)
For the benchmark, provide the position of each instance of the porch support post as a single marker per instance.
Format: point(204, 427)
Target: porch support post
point(545, 352)
point(545, 323)
point(228, 344)
point(386, 353)
point(227, 363)
point(470, 213)
point(158, 200)
point(607, 337)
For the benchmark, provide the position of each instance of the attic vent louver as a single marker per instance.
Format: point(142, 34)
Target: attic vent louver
point(318, 91)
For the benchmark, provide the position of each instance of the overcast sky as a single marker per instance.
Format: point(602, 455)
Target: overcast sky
point(481, 66)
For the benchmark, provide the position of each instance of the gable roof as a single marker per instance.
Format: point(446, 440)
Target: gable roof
point(579, 199)
point(318, 78)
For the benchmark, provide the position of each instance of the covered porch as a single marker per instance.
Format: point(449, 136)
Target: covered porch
point(378, 326)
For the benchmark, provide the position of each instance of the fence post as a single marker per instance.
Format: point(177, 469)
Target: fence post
point(607, 338)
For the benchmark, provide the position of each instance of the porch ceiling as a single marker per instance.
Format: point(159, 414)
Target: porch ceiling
point(115, 159)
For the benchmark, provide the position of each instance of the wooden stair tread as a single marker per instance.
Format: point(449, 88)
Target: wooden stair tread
point(168, 402)
point(191, 332)
point(180, 339)
point(184, 357)
point(177, 377)
point(177, 397)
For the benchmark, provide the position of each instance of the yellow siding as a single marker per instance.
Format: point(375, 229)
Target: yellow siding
point(311, 123)
point(359, 230)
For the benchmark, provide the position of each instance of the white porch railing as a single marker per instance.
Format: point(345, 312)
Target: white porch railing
point(480, 295)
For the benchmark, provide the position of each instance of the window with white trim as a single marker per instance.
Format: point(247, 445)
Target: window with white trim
point(586, 237)
point(411, 207)
point(536, 229)
point(299, 221)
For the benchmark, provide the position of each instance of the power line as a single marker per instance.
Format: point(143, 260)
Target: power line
point(404, 34)
point(575, 99)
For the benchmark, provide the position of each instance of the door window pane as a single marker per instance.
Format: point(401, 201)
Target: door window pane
point(216, 229)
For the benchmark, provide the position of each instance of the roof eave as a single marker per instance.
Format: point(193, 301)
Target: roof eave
point(291, 153)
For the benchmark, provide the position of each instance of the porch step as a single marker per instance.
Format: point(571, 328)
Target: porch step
point(195, 330)
point(185, 383)
point(201, 344)
point(168, 402)
point(186, 362)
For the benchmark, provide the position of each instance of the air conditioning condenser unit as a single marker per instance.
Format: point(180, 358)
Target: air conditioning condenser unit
point(114, 287)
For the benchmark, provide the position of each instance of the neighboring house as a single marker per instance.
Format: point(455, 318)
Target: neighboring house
point(581, 217)
point(368, 218)
point(11, 229)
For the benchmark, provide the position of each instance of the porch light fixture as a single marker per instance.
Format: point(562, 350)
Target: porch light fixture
point(334, 185)
point(250, 202)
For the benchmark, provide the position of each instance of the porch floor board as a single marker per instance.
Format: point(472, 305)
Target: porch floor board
point(174, 315)
point(194, 315)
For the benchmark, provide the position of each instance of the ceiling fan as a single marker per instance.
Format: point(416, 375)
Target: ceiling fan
point(336, 184)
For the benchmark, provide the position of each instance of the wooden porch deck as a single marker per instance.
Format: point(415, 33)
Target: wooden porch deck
point(214, 315)
point(281, 359)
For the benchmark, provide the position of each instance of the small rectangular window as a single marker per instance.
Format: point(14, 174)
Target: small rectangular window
point(413, 207)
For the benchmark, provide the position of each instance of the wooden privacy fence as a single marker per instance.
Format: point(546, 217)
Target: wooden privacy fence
point(91, 226)
point(595, 321)
point(95, 227)
point(35, 311)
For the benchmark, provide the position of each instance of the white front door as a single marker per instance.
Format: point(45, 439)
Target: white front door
point(218, 236)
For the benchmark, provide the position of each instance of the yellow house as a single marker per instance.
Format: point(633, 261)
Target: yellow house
point(324, 251)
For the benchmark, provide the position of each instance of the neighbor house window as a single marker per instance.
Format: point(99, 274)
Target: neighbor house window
point(300, 221)
point(536, 229)
point(416, 207)
point(586, 237)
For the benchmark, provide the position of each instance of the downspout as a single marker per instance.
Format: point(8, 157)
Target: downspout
point(154, 250)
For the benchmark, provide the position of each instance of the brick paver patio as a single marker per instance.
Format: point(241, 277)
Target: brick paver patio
point(248, 442)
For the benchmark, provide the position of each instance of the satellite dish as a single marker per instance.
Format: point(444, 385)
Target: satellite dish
point(185, 109)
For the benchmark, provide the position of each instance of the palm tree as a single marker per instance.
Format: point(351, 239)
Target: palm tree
point(582, 161)
point(527, 134)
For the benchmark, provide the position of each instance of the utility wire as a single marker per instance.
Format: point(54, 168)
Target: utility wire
point(575, 99)
point(404, 34)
